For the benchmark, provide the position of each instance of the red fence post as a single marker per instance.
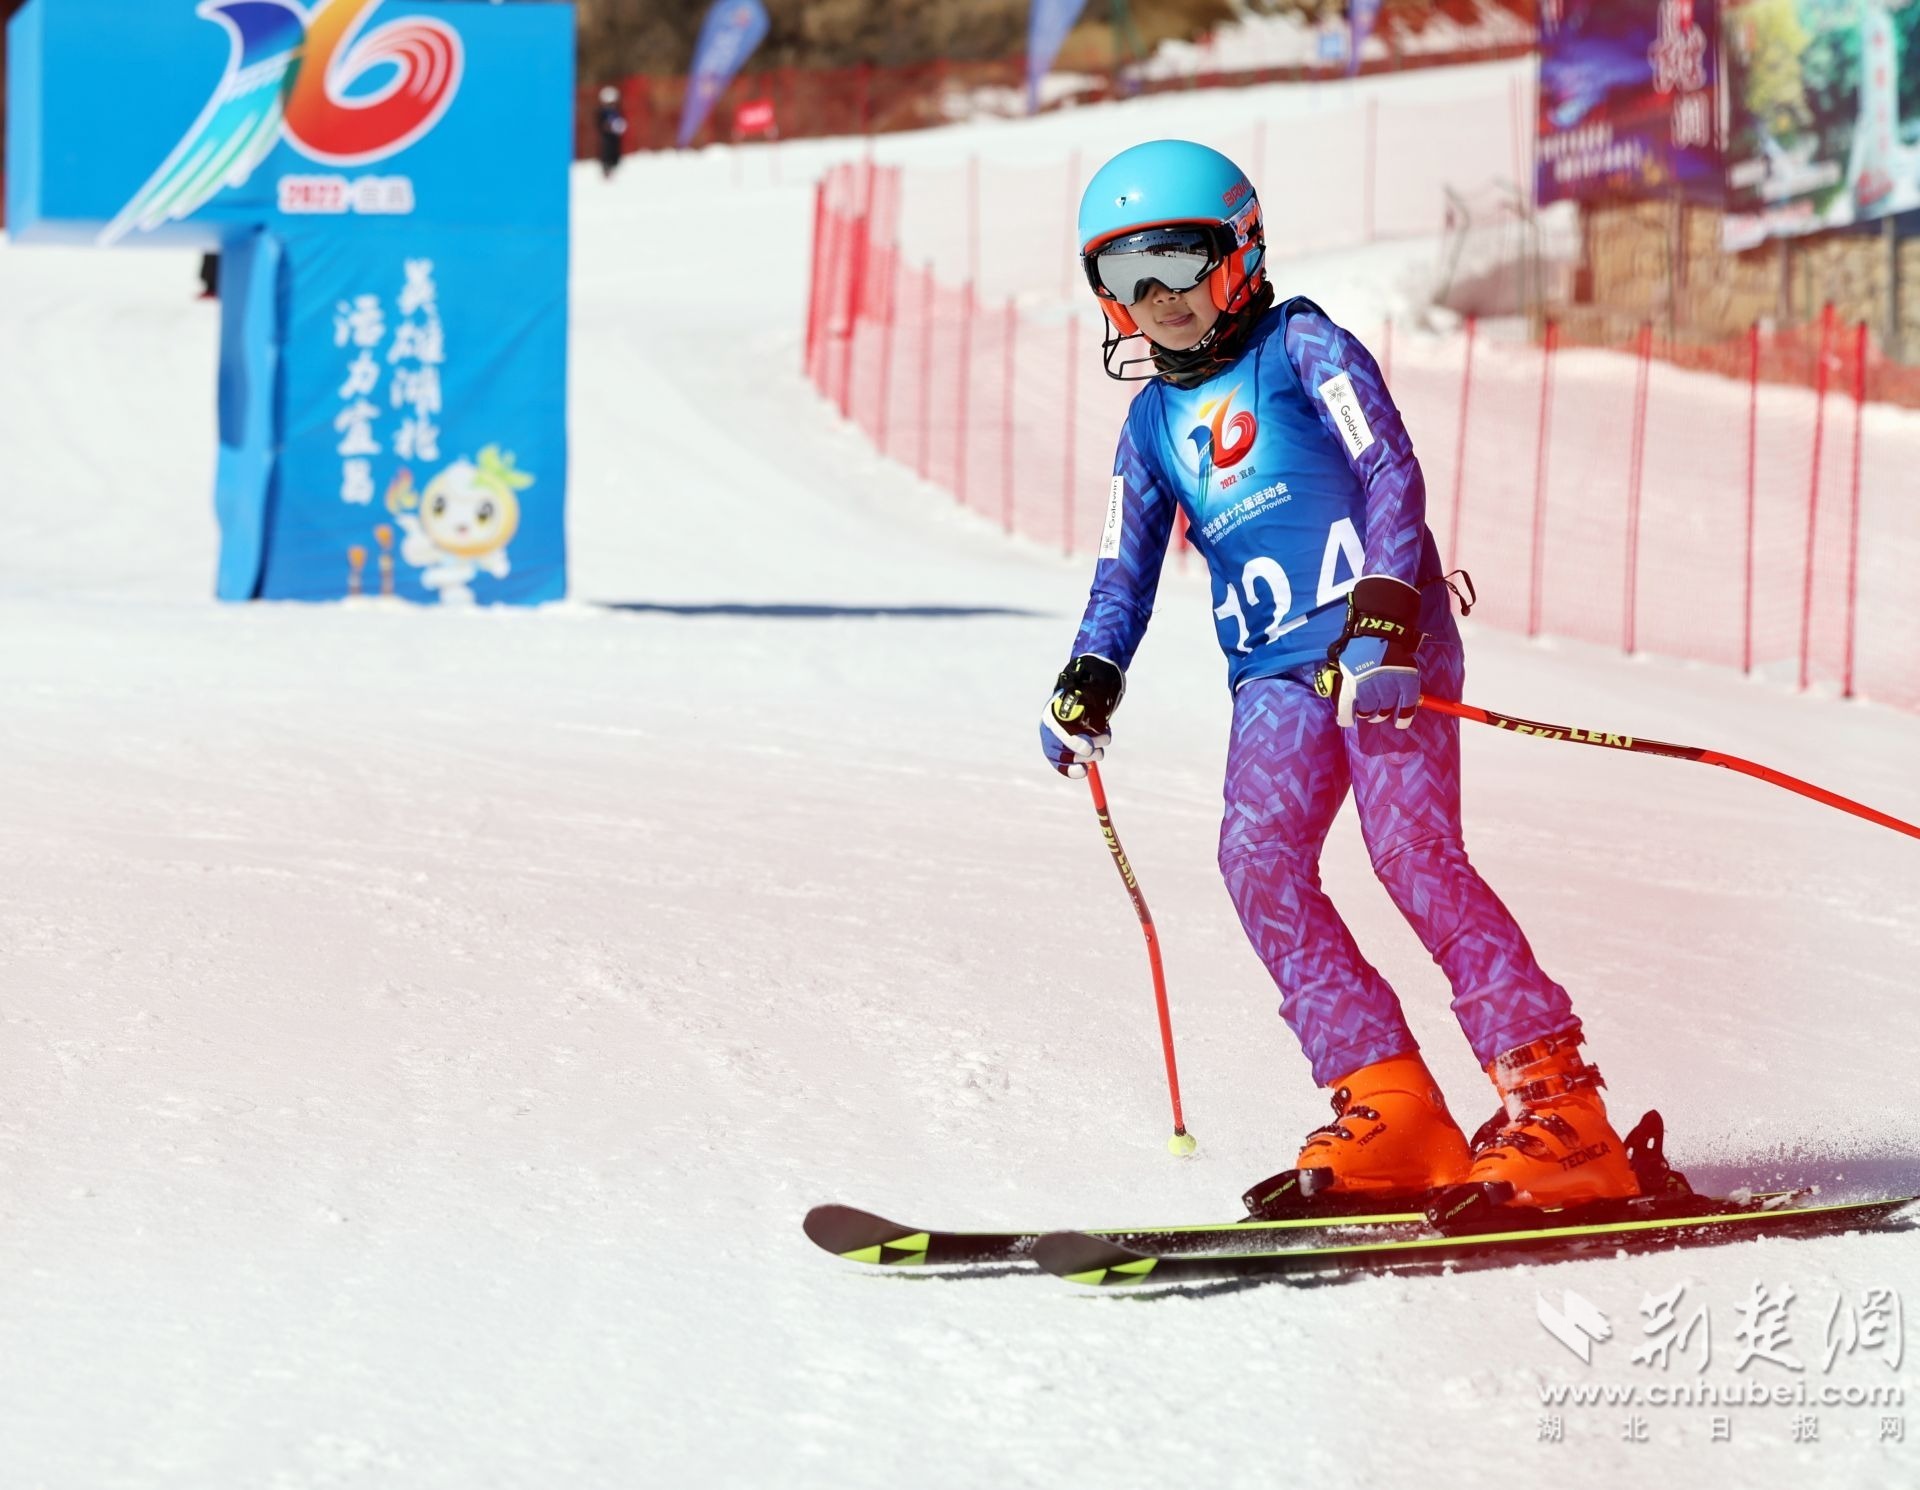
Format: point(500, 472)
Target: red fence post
point(813, 286)
point(1386, 350)
point(926, 375)
point(888, 315)
point(1460, 450)
point(1006, 418)
point(962, 404)
point(1753, 487)
point(1636, 467)
point(1853, 505)
point(1813, 490)
point(1067, 464)
point(839, 248)
point(1537, 568)
point(859, 235)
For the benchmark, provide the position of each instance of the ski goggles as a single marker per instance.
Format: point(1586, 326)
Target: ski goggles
point(1179, 256)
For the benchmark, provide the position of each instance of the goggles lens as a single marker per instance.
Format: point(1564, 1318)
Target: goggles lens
point(1178, 258)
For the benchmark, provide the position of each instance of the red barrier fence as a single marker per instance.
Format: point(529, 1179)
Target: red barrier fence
point(1369, 168)
point(809, 103)
point(1765, 521)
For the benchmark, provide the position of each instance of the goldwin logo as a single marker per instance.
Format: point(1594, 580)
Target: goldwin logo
point(1576, 1324)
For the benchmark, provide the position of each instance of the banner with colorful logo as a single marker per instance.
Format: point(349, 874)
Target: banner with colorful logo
point(1627, 100)
point(1048, 22)
point(732, 30)
point(386, 182)
point(1824, 111)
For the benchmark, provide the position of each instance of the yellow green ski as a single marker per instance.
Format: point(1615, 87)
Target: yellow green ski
point(861, 1236)
point(1104, 1262)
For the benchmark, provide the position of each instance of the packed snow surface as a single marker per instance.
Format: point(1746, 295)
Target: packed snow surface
point(424, 1031)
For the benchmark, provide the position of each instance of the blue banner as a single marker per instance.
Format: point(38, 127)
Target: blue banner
point(1360, 16)
point(423, 388)
point(1627, 100)
point(732, 30)
point(1048, 23)
point(387, 184)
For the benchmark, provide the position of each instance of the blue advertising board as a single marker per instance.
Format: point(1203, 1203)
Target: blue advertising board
point(1627, 100)
point(387, 184)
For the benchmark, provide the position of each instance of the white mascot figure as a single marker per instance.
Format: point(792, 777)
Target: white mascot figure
point(467, 516)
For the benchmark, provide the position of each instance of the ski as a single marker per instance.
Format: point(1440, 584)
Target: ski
point(861, 1236)
point(1292, 1202)
point(1105, 1262)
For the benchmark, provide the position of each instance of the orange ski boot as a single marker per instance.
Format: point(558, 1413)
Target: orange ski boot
point(1551, 1141)
point(1391, 1136)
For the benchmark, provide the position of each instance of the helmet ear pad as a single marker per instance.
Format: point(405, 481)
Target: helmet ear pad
point(1120, 316)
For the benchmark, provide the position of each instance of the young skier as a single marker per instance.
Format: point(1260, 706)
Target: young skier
point(1271, 428)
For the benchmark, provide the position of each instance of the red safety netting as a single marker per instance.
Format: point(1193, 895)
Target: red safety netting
point(797, 102)
point(1369, 168)
point(1741, 504)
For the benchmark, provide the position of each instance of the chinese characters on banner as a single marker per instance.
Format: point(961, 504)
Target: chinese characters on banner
point(458, 521)
point(359, 326)
point(1627, 101)
point(419, 349)
point(411, 368)
point(390, 404)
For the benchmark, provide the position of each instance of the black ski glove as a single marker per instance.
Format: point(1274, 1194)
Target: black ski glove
point(1371, 673)
point(1077, 724)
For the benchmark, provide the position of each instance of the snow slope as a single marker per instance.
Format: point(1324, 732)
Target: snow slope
point(424, 1032)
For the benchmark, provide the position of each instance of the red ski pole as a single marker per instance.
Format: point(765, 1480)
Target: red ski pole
point(1182, 1141)
point(1676, 752)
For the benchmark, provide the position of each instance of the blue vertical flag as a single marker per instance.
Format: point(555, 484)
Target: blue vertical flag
point(1361, 14)
point(1048, 23)
point(732, 30)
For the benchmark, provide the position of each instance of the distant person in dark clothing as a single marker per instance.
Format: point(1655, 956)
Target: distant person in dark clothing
point(613, 130)
point(209, 276)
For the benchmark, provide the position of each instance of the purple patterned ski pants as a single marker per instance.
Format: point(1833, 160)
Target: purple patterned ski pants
point(1288, 769)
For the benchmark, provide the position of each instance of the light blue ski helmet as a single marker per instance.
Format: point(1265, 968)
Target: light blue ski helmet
point(1164, 182)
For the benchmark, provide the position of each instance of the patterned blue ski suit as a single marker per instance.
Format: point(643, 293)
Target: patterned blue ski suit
point(1297, 478)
